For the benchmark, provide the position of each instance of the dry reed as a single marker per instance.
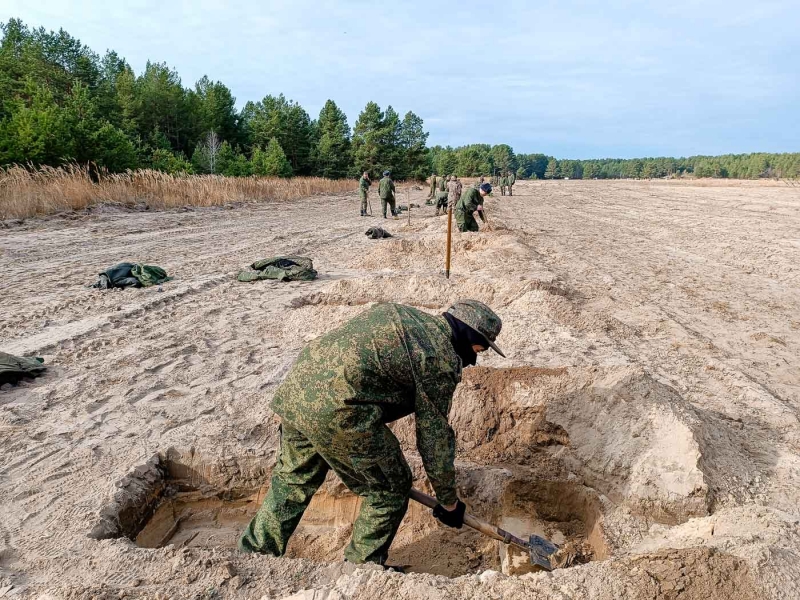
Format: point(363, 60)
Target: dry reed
point(28, 192)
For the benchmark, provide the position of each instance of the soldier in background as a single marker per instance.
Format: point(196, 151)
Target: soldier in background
point(503, 184)
point(386, 191)
point(363, 189)
point(434, 182)
point(388, 362)
point(471, 201)
point(511, 179)
point(454, 189)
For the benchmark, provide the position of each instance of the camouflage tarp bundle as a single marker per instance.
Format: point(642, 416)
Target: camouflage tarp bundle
point(282, 268)
point(131, 275)
point(13, 368)
point(376, 233)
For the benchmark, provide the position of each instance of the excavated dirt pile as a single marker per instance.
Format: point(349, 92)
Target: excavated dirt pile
point(646, 418)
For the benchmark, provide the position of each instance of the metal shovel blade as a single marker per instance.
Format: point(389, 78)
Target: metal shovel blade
point(541, 551)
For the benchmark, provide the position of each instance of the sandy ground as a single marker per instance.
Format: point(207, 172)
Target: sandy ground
point(660, 425)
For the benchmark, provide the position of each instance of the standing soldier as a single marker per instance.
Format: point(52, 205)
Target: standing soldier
point(363, 188)
point(388, 362)
point(503, 184)
point(386, 192)
point(471, 200)
point(441, 194)
point(512, 179)
point(432, 194)
point(453, 192)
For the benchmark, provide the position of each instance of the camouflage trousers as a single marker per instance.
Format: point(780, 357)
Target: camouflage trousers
point(441, 201)
point(433, 190)
point(510, 190)
point(363, 195)
point(465, 221)
point(365, 455)
point(391, 203)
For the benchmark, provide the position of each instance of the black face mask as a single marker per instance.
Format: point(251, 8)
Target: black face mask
point(464, 337)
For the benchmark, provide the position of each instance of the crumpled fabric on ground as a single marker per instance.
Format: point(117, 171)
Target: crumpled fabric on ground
point(282, 268)
point(131, 275)
point(14, 368)
point(376, 233)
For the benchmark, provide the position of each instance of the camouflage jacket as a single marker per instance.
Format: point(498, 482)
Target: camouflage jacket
point(442, 184)
point(454, 189)
point(470, 200)
point(386, 188)
point(392, 356)
point(364, 184)
point(512, 179)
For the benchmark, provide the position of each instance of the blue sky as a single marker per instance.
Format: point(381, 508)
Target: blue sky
point(574, 79)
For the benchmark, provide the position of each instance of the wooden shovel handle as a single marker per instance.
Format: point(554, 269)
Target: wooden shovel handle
point(474, 522)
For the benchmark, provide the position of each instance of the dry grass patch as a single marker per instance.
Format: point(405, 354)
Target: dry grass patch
point(26, 193)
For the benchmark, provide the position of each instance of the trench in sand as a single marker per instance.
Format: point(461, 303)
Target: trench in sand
point(189, 511)
point(535, 457)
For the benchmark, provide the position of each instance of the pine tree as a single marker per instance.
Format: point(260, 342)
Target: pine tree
point(367, 140)
point(271, 162)
point(332, 156)
point(551, 172)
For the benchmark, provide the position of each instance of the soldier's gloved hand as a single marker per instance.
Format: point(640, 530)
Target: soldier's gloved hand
point(452, 518)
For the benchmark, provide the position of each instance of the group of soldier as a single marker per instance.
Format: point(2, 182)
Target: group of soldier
point(505, 181)
point(447, 193)
point(386, 192)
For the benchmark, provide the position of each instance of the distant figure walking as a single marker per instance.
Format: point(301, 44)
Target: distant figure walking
point(363, 189)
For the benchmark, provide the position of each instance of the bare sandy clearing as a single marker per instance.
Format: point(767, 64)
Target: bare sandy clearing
point(648, 408)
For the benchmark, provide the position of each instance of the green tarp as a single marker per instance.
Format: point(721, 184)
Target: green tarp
point(282, 268)
point(13, 368)
point(131, 275)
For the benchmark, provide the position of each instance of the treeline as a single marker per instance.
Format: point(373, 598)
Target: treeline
point(483, 159)
point(62, 103)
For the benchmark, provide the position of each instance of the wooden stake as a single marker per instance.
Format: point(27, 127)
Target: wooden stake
point(408, 203)
point(449, 240)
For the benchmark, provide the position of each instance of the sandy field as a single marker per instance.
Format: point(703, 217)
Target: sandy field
point(646, 415)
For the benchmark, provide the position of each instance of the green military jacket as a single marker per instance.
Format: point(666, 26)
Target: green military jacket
point(470, 200)
point(504, 181)
point(364, 184)
point(392, 356)
point(443, 184)
point(512, 179)
point(386, 188)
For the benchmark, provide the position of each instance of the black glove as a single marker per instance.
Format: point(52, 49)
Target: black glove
point(452, 518)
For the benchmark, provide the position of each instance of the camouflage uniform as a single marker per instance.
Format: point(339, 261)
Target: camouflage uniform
point(454, 189)
point(386, 192)
point(384, 364)
point(468, 204)
point(511, 179)
point(363, 188)
point(434, 181)
point(503, 185)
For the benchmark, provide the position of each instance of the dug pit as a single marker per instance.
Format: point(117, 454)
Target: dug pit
point(165, 503)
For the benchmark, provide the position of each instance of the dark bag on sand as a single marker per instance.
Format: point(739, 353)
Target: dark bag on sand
point(14, 368)
point(131, 275)
point(376, 233)
point(282, 268)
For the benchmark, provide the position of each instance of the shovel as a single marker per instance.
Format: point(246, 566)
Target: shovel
point(539, 548)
